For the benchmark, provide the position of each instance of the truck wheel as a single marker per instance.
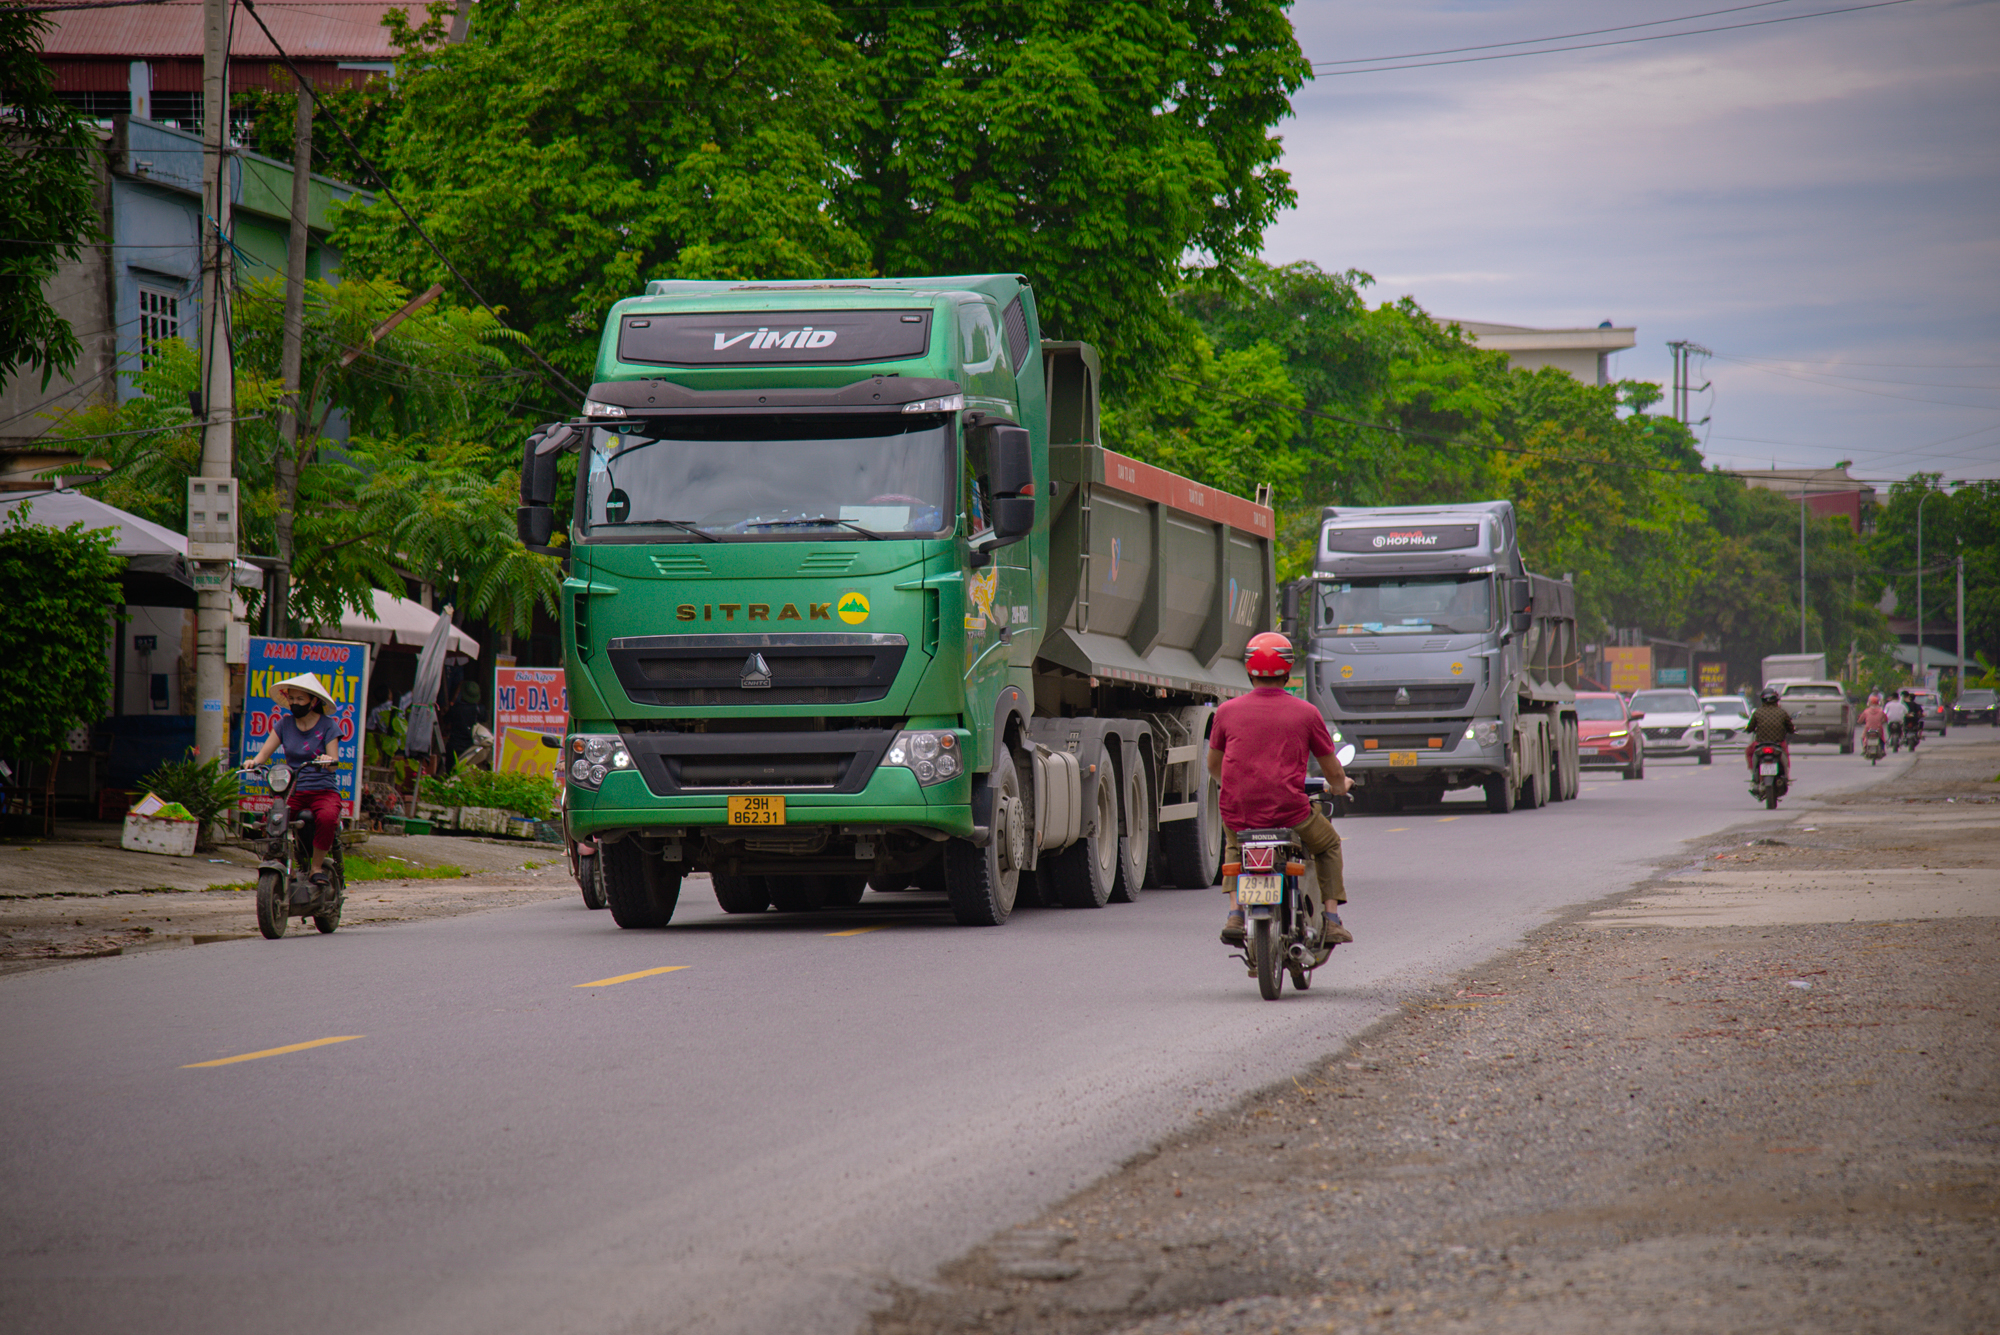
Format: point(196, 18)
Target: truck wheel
point(1532, 794)
point(845, 892)
point(797, 894)
point(741, 894)
point(590, 880)
point(1553, 780)
point(980, 882)
point(1499, 795)
point(1135, 846)
point(1192, 849)
point(1082, 874)
point(641, 889)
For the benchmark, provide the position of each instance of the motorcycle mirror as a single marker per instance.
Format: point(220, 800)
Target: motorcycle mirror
point(1345, 755)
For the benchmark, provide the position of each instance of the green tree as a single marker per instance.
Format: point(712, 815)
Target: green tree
point(1095, 148)
point(48, 200)
point(1225, 419)
point(569, 150)
point(62, 588)
point(1958, 520)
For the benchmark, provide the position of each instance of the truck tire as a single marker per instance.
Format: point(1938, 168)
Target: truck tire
point(980, 882)
point(1192, 849)
point(641, 889)
point(1534, 791)
point(741, 894)
point(844, 892)
point(1135, 846)
point(1499, 794)
point(1081, 876)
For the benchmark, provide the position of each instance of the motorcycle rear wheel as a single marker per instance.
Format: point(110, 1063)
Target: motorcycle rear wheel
point(271, 905)
point(1770, 794)
point(1270, 976)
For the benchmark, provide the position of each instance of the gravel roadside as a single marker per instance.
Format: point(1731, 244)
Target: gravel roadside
point(1759, 1093)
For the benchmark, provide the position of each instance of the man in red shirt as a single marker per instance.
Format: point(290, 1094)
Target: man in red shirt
point(1257, 752)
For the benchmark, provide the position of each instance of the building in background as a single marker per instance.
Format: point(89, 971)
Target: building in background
point(1827, 491)
point(144, 61)
point(124, 297)
point(1584, 353)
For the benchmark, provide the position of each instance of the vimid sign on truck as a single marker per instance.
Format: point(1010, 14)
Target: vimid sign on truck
point(855, 598)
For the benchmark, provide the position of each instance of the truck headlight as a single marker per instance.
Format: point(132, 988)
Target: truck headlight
point(591, 757)
point(932, 756)
point(1486, 734)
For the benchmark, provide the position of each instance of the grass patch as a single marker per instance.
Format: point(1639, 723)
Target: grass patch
point(392, 868)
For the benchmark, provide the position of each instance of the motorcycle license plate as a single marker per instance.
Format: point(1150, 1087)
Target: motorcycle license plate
point(756, 811)
point(1259, 889)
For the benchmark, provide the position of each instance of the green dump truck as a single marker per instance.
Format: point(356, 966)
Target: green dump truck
point(855, 598)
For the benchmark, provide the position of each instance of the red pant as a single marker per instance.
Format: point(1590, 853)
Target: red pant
point(325, 808)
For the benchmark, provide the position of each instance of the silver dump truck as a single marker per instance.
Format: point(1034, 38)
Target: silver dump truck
point(1433, 650)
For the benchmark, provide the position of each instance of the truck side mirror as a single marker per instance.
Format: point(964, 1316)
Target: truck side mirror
point(1519, 597)
point(1013, 519)
point(1012, 463)
point(535, 518)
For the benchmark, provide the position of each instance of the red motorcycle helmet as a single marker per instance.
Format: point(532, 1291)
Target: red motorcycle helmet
point(1268, 655)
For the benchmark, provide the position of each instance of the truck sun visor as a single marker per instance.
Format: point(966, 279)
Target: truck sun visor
point(1404, 538)
point(763, 338)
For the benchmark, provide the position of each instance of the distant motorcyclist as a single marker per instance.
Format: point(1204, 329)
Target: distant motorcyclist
point(1913, 719)
point(1874, 719)
point(1770, 723)
point(1257, 755)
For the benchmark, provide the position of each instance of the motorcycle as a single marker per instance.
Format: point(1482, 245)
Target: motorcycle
point(1768, 787)
point(1279, 893)
point(1913, 731)
point(284, 888)
point(1871, 745)
point(1895, 734)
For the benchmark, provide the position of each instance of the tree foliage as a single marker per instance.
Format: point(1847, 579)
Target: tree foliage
point(569, 150)
point(1094, 147)
point(1958, 521)
point(62, 590)
point(48, 200)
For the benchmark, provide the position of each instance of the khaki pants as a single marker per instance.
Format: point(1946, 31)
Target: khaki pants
point(1322, 843)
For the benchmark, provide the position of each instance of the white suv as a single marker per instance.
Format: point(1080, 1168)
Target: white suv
point(1675, 724)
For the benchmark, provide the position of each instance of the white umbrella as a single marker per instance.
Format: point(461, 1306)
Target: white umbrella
point(424, 735)
point(394, 620)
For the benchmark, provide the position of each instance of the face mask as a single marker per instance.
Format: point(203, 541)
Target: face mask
point(300, 711)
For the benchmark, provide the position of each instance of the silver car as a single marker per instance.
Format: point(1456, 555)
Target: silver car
point(1675, 724)
point(1728, 718)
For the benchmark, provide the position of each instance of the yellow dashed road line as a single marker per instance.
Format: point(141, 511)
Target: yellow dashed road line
point(628, 977)
point(274, 1052)
point(857, 931)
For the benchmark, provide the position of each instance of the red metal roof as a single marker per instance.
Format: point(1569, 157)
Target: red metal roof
point(308, 29)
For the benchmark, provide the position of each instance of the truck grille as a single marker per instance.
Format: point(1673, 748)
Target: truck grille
point(690, 670)
point(837, 762)
point(1393, 699)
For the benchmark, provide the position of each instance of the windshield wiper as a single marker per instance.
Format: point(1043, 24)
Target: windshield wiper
point(684, 525)
point(823, 519)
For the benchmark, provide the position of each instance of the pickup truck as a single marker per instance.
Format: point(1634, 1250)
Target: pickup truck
point(1820, 711)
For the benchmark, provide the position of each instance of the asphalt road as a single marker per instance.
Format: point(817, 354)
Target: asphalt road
point(763, 1120)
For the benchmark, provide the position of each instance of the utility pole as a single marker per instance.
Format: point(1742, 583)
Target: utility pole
point(1802, 565)
point(291, 354)
point(218, 445)
point(1684, 353)
point(1960, 688)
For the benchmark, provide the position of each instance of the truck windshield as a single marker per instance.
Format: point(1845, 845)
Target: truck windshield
point(690, 479)
point(1398, 605)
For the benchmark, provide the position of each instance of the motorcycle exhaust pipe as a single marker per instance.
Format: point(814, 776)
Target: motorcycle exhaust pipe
point(1300, 953)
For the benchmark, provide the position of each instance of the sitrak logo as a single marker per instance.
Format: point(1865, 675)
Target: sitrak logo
point(853, 608)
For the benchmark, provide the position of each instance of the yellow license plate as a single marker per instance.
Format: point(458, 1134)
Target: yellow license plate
point(756, 811)
point(1258, 889)
point(1402, 757)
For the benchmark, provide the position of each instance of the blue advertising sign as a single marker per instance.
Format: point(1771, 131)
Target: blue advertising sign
point(343, 669)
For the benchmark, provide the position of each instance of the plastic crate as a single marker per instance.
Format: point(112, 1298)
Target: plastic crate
point(146, 834)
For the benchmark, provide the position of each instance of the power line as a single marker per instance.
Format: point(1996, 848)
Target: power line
point(1555, 37)
point(319, 103)
point(1622, 41)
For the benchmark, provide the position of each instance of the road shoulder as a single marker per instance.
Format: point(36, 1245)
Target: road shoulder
point(1759, 1092)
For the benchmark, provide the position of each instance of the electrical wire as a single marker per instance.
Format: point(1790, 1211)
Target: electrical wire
point(1555, 37)
point(320, 105)
point(1621, 41)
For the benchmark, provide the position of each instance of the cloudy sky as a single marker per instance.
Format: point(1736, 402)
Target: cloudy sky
point(1817, 201)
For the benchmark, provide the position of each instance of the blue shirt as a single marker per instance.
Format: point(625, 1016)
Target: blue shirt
point(303, 745)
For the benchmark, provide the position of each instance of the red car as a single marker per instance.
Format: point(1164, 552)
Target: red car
point(1606, 735)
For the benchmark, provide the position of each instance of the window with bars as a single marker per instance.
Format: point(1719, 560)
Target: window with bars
point(159, 318)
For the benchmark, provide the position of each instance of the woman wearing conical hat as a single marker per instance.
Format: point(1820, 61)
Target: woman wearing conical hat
point(311, 738)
